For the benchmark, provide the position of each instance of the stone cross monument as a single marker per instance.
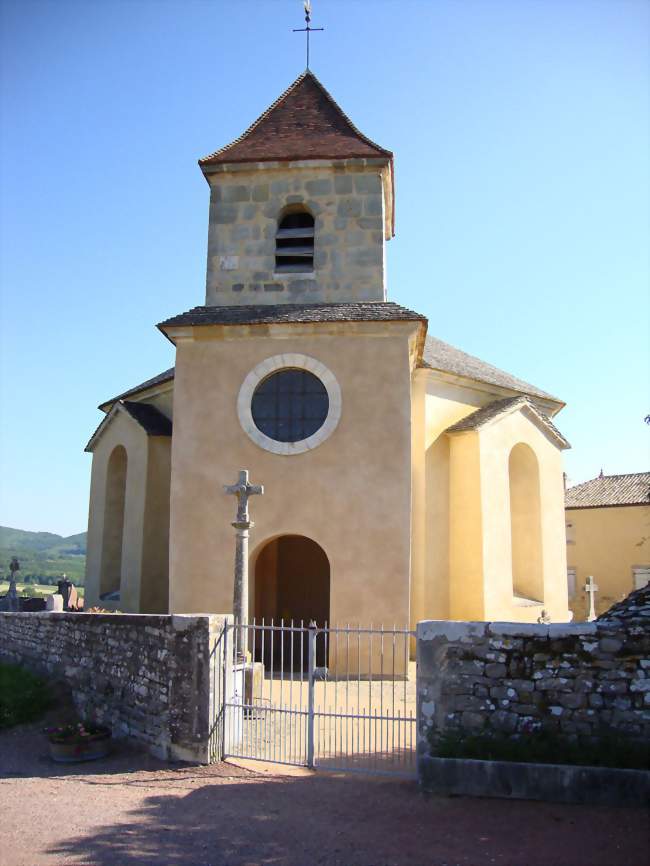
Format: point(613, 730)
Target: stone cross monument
point(242, 490)
point(591, 589)
point(12, 593)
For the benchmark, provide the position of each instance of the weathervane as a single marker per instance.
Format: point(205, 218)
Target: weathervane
point(307, 29)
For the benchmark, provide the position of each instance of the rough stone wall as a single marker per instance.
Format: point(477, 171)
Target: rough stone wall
point(145, 676)
point(511, 678)
point(347, 203)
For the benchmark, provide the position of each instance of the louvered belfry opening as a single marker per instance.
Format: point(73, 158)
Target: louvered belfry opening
point(294, 243)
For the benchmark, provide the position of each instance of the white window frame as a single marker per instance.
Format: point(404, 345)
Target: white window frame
point(640, 576)
point(288, 361)
point(572, 581)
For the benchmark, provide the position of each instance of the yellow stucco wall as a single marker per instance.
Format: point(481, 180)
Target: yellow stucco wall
point(416, 523)
point(154, 597)
point(606, 543)
point(496, 443)
point(121, 430)
point(462, 527)
point(351, 494)
point(144, 581)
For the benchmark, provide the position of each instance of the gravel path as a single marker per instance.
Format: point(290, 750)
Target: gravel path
point(131, 810)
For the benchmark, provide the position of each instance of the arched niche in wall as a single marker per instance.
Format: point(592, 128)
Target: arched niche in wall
point(113, 533)
point(526, 524)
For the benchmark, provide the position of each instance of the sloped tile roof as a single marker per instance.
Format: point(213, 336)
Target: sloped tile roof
point(153, 422)
point(631, 489)
point(266, 314)
point(441, 356)
point(493, 410)
point(165, 376)
point(303, 123)
point(437, 355)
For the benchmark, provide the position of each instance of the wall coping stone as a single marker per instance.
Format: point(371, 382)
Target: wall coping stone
point(429, 629)
point(558, 783)
point(518, 629)
point(570, 630)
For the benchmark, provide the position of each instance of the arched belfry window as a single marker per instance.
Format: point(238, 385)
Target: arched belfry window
point(294, 242)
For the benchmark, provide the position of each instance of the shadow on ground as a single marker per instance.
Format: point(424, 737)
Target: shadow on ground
point(135, 811)
point(352, 822)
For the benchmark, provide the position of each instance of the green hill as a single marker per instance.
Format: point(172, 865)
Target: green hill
point(43, 556)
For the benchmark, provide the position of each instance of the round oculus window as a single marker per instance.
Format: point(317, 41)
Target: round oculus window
point(290, 405)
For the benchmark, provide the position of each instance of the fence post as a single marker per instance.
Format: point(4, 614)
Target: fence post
point(224, 695)
point(311, 660)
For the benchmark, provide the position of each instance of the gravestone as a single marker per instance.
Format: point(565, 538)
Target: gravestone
point(11, 599)
point(67, 590)
point(54, 602)
point(591, 588)
point(32, 605)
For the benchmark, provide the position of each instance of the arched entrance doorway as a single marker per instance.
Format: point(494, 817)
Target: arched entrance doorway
point(292, 583)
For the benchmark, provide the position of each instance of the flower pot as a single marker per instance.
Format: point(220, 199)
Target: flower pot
point(75, 751)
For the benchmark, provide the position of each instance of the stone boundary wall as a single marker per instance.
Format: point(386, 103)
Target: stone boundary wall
point(145, 676)
point(510, 678)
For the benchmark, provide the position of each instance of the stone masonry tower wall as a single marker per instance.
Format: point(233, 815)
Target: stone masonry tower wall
point(350, 201)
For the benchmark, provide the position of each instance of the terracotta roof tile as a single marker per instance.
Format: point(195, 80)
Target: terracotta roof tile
point(303, 123)
point(607, 490)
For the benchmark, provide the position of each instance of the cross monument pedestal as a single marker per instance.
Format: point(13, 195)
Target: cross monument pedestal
point(243, 490)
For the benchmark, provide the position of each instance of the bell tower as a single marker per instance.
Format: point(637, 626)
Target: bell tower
point(301, 205)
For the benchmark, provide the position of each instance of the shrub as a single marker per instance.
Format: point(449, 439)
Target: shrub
point(543, 746)
point(24, 697)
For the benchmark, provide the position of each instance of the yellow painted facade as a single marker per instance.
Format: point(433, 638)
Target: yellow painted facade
point(608, 543)
point(142, 507)
point(417, 520)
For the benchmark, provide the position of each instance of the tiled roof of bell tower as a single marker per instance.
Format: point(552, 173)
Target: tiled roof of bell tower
point(303, 123)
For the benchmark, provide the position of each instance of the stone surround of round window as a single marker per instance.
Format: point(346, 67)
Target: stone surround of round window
point(289, 404)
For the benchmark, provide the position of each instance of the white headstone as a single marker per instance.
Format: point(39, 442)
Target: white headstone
point(54, 602)
point(591, 589)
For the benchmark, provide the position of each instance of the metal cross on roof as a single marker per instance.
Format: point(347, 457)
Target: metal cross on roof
point(307, 29)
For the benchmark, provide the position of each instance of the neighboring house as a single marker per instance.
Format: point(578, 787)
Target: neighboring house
point(404, 479)
point(608, 537)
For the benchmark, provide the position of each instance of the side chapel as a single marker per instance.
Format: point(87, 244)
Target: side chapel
point(404, 479)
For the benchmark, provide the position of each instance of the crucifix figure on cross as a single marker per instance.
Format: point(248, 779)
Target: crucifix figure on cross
point(243, 490)
point(591, 589)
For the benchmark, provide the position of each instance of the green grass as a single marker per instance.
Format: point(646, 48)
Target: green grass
point(44, 557)
point(609, 749)
point(24, 697)
point(35, 590)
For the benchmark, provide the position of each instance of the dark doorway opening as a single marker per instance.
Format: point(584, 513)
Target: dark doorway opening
point(292, 585)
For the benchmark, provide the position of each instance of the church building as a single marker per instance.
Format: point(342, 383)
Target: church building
point(403, 478)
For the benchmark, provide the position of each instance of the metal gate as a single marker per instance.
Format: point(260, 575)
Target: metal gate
point(330, 698)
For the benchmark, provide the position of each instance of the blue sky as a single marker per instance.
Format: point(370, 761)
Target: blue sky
point(521, 137)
